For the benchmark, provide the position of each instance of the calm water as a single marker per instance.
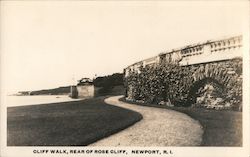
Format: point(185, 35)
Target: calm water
point(10, 101)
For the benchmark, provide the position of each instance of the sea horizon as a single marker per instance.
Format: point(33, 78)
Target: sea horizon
point(25, 100)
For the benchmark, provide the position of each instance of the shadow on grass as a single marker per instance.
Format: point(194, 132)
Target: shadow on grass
point(76, 123)
point(221, 128)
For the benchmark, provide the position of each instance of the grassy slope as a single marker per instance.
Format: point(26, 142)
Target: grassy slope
point(66, 124)
point(221, 128)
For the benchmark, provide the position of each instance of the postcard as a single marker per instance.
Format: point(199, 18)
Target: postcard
point(124, 78)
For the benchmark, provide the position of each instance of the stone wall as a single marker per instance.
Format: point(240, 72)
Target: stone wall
point(180, 85)
point(205, 75)
point(86, 91)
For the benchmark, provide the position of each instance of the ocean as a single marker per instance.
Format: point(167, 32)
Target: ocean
point(11, 101)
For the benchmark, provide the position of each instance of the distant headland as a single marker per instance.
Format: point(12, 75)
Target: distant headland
point(109, 84)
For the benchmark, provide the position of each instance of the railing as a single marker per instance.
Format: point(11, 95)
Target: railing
point(194, 54)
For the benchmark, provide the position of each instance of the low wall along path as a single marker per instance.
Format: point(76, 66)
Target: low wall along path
point(159, 127)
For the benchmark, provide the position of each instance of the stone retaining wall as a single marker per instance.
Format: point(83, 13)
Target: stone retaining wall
point(212, 83)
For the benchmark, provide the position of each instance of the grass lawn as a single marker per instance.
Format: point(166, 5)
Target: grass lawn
point(76, 123)
point(221, 128)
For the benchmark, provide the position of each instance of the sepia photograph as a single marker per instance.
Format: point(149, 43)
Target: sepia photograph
point(124, 78)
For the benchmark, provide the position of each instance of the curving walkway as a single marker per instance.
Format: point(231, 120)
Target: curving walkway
point(159, 127)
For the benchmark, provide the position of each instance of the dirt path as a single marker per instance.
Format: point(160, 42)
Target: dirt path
point(159, 127)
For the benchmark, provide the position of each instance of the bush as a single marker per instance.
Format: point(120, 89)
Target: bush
point(106, 83)
point(176, 84)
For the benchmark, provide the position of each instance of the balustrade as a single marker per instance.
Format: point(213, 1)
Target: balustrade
point(218, 50)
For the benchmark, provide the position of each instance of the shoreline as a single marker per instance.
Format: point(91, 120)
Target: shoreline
point(18, 101)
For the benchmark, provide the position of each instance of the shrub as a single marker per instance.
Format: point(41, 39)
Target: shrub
point(172, 83)
point(106, 83)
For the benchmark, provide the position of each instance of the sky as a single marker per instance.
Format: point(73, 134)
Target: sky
point(50, 44)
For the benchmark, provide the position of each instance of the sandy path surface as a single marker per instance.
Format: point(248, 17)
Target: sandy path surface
point(159, 127)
